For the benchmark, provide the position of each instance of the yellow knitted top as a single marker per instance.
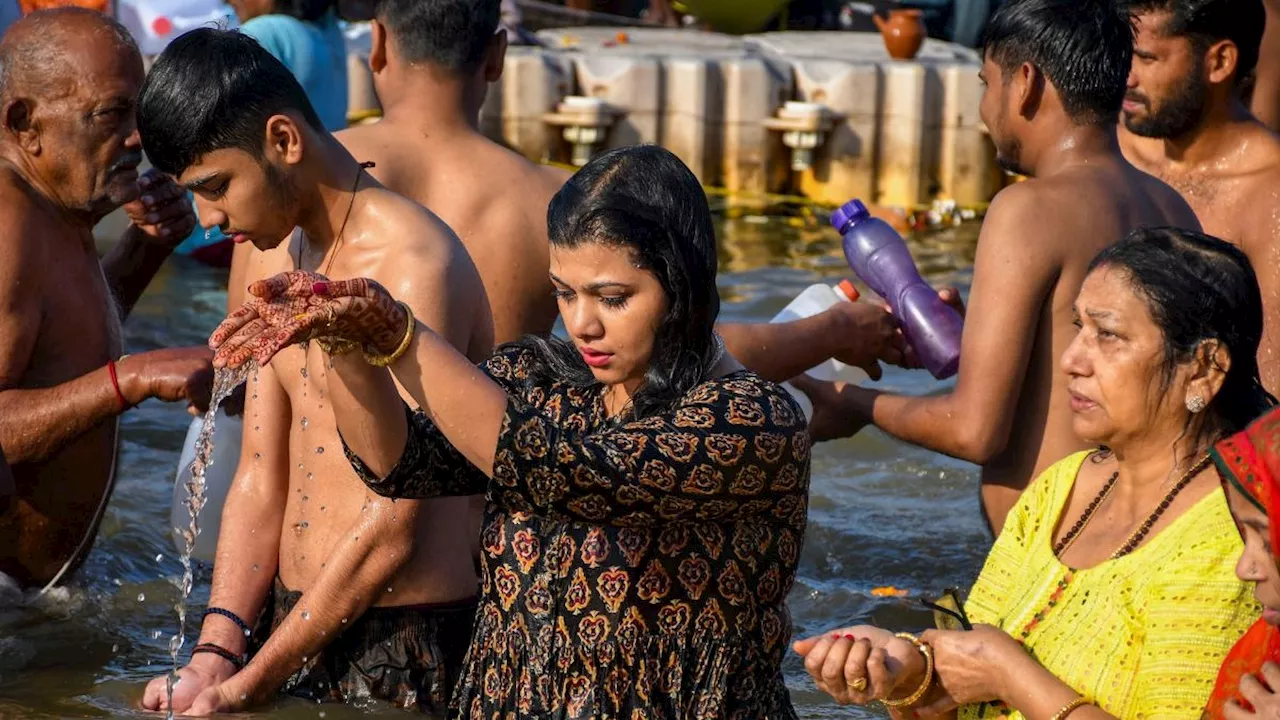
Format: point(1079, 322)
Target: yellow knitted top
point(1142, 636)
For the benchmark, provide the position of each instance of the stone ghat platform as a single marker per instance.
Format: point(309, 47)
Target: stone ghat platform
point(826, 115)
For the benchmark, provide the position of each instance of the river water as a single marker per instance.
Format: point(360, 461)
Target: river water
point(882, 514)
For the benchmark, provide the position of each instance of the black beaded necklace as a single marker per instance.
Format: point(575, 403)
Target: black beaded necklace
point(1136, 538)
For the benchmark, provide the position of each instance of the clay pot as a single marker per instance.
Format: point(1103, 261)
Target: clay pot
point(903, 33)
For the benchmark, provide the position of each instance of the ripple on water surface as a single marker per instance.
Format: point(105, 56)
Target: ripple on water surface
point(882, 513)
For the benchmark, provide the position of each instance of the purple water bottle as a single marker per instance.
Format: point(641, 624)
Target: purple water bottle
point(878, 255)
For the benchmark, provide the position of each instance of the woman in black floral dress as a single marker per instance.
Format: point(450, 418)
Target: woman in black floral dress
point(646, 495)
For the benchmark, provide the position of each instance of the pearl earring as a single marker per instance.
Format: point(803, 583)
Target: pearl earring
point(1195, 404)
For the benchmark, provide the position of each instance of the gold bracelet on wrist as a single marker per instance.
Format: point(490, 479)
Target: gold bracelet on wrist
point(915, 697)
point(1071, 707)
point(385, 360)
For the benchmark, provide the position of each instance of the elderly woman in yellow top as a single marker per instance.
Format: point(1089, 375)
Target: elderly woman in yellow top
point(1111, 591)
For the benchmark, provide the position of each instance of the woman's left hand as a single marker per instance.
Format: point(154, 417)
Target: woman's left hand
point(1265, 702)
point(973, 665)
point(297, 306)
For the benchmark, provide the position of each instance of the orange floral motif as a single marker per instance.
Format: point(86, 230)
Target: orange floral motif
point(538, 598)
point(508, 586)
point(786, 479)
point(634, 543)
point(712, 539)
point(679, 447)
point(750, 480)
point(770, 446)
point(704, 480)
point(654, 584)
point(711, 620)
point(659, 475)
point(694, 574)
point(745, 412)
point(726, 449)
point(674, 618)
point(784, 411)
point(593, 629)
point(579, 595)
point(525, 544)
point(613, 585)
point(595, 548)
point(733, 586)
point(673, 539)
point(695, 417)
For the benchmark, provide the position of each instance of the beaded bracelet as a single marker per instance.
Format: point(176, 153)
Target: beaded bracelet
point(225, 654)
point(384, 360)
point(1071, 707)
point(914, 697)
point(240, 623)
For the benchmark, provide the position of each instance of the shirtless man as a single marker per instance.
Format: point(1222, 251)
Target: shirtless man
point(1054, 73)
point(1185, 124)
point(69, 153)
point(1264, 96)
point(363, 596)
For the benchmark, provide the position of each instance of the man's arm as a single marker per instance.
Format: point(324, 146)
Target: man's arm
point(37, 423)
point(248, 541)
point(383, 539)
point(857, 333)
point(1011, 281)
point(160, 219)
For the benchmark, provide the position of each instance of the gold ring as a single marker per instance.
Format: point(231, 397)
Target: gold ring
point(858, 685)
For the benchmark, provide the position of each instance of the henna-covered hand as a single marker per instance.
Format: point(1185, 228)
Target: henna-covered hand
point(297, 306)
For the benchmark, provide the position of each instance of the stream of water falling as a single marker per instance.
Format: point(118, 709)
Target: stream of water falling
point(225, 381)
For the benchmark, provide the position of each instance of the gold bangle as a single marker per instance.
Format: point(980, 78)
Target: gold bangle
point(928, 674)
point(385, 360)
point(1071, 707)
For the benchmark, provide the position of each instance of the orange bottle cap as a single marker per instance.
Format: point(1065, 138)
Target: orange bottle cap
point(851, 292)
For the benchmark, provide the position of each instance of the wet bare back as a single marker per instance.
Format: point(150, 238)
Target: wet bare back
point(406, 248)
point(1236, 198)
point(1037, 241)
point(57, 323)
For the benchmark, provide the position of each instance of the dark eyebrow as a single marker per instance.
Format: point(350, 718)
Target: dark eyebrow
point(1144, 54)
point(201, 181)
point(598, 286)
point(1099, 314)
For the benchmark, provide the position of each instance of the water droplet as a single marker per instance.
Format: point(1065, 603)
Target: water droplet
point(116, 648)
point(247, 632)
point(321, 713)
point(304, 659)
point(344, 621)
point(308, 476)
point(305, 524)
point(160, 558)
point(388, 589)
point(319, 451)
point(306, 498)
point(142, 597)
point(156, 635)
point(300, 466)
point(306, 614)
point(256, 428)
point(243, 697)
point(118, 582)
point(304, 423)
point(255, 567)
point(321, 508)
point(257, 457)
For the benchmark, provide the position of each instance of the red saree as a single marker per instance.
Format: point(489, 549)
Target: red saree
point(1250, 461)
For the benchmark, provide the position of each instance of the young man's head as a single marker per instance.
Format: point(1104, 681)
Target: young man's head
point(1188, 56)
point(1046, 61)
point(453, 40)
point(229, 121)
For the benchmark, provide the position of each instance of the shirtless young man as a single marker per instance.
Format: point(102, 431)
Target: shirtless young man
point(69, 153)
point(1054, 71)
point(1185, 124)
point(363, 595)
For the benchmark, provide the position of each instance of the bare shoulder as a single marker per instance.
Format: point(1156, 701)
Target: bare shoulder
point(410, 245)
point(25, 226)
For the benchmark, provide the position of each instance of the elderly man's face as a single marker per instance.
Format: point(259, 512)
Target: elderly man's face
point(90, 150)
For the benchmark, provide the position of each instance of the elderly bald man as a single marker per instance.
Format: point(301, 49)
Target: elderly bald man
point(69, 153)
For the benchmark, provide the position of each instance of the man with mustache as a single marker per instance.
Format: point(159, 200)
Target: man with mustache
point(1054, 73)
point(1184, 122)
point(69, 152)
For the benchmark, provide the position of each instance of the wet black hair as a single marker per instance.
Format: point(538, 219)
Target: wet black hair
point(305, 10)
point(451, 34)
point(645, 200)
point(1205, 22)
point(214, 89)
point(1200, 288)
point(1083, 47)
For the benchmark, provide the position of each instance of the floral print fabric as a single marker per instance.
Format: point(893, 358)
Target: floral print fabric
point(633, 570)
